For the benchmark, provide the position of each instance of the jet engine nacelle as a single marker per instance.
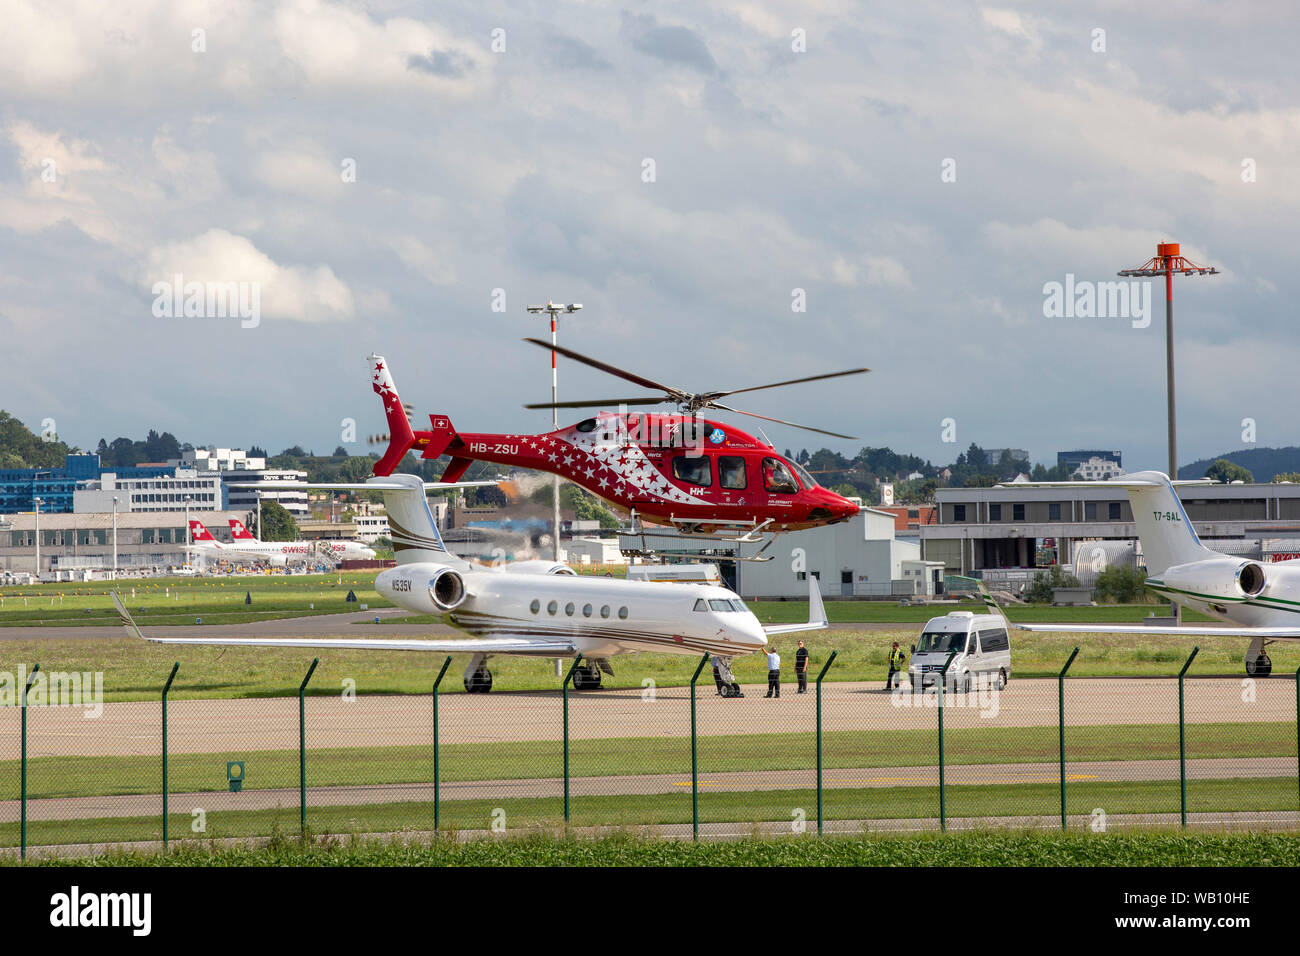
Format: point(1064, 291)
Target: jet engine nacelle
point(1220, 577)
point(426, 588)
point(538, 566)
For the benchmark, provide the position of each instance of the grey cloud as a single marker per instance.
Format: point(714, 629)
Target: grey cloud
point(450, 64)
point(566, 52)
point(671, 44)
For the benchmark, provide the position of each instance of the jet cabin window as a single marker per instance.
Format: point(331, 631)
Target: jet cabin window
point(777, 478)
point(695, 471)
point(731, 472)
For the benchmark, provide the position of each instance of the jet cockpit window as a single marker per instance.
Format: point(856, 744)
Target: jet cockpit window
point(739, 605)
point(731, 472)
point(718, 604)
point(589, 425)
point(701, 604)
point(695, 471)
point(777, 478)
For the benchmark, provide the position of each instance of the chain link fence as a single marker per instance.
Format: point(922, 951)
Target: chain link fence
point(671, 758)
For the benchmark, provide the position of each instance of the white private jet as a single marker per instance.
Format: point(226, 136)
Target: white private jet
point(1260, 602)
point(535, 608)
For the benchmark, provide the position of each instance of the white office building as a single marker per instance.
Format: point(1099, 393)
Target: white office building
point(175, 492)
point(242, 475)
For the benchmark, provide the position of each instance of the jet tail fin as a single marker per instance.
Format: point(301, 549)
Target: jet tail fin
point(1163, 527)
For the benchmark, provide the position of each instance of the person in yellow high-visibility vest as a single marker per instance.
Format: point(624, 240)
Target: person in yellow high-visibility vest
point(897, 660)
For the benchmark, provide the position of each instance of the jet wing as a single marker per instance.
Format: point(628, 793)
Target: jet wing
point(816, 613)
point(1156, 630)
point(488, 645)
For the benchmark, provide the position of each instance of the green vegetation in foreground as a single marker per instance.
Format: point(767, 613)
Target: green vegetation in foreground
point(741, 807)
point(618, 756)
point(969, 848)
point(135, 670)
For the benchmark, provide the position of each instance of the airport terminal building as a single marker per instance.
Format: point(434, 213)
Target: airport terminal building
point(85, 542)
point(981, 529)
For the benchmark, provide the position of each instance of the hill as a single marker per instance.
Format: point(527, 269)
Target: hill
point(1263, 463)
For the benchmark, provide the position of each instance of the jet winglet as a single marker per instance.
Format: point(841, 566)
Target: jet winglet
point(816, 613)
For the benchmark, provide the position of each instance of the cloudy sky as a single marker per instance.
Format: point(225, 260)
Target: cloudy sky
point(380, 170)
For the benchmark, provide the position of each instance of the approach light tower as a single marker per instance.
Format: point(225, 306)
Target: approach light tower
point(1167, 262)
point(554, 310)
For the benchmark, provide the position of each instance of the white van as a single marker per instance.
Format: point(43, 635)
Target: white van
point(982, 646)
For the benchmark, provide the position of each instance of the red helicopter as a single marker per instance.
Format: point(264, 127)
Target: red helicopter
point(699, 476)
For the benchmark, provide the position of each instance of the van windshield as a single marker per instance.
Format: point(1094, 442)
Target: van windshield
point(941, 642)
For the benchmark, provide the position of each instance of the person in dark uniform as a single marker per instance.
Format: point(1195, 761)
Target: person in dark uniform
point(773, 672)
point(896, 661)
point(717, 674)
point(801, 667)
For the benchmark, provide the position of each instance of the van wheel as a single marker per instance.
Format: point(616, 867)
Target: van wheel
point(1002, 678)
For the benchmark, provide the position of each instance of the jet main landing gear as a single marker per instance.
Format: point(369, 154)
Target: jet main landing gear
point(478, 679)
point(1258, 663)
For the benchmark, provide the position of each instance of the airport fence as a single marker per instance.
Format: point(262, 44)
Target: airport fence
point(679, 759)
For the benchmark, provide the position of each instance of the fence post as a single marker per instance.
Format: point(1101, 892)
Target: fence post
point(1060, 707)
point(166, 687)
point(1297, 724)
point(829, 661)
point(1182, 736)
point(694, 753)
point(564, 690)
point(943, 804)
point(302, 746)
point(437, 792)
point(22, 850)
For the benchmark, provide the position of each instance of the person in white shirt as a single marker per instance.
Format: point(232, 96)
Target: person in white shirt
point(773, 673)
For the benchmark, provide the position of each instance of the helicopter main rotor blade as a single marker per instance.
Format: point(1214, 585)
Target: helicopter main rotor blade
point(793, 381)
point(599, 402)
point(676, 393)
point(780, 421)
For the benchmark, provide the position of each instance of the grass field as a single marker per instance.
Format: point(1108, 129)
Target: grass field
point(163, 601)
point(641, 810)
point(134, 670)
point(972, 848)
point(358, 766)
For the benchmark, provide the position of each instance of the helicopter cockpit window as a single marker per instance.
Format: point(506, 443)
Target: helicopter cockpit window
point(804, 477)
point(777, 478)
point(731, 472)
point(589, 425)
point(695, 471)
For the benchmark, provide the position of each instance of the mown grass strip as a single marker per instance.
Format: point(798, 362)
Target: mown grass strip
point(354, 766)
point(638, 810)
